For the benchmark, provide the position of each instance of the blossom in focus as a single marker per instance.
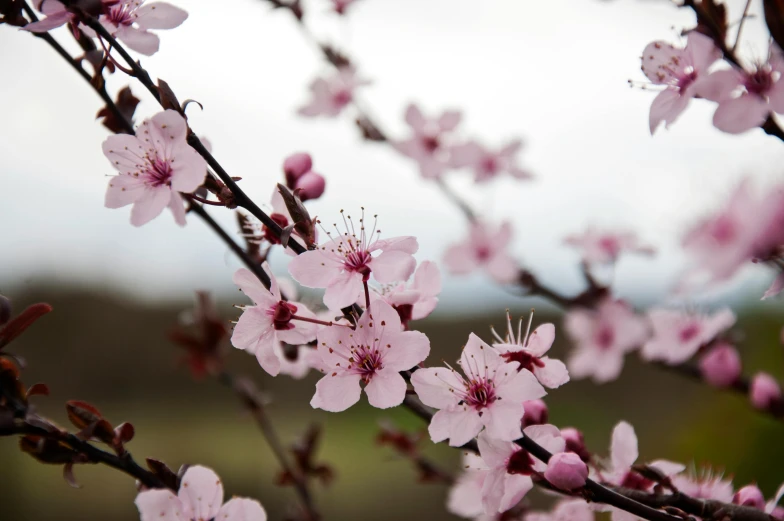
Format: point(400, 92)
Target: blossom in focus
point(565, 510)
point(488, 164)
point(155, 165)
point(272, 320)
point(682, 71)
point(511, 466)
point(56, 16)
point(765, 391)
point(603, 336)
point(465, 496)
point(490, 396)
point(566, 471)
point(604, 247)
point(419, 299)
point(677, 336)
point(484, 247)
point(373, 354)
point(721, 365)
point(529, 352)
point(429, 145)
point(344, 263)
point(329, 96)
point(200, 498)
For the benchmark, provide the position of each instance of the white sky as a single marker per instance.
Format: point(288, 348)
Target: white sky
point(551, 72)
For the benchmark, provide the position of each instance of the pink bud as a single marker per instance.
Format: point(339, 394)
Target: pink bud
point(295, 166)
point(749, 496)
point(566, 471)
point(535, 413)
point(778, 512)
point(310, 186)
point(765, 391)
point(721, 366)
point(575, 442)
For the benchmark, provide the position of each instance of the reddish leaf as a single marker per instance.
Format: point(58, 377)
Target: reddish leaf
point(124, 433)
point(163, 473)
point(40, 389)
point(303, 224)
point(17, 325)
point(48, 451)
point(126, 103)
point(168, 98)
point(82, 414)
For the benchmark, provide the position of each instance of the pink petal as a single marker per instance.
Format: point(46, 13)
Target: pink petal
point(139, 41)
point(460, 426)
point(159, 15)
point(449, 120)
point(336, 393)
point(344, 290)
point(150, 204)
point(427, 279)
point(519, 386)
point(177, 206)
point(123, 190)
point(403, 243)
point(465, 496)
point(159, 505)
point(719, 86)
point(188, 170)
point(125, 152)
point(201, 493)
point(407, 350)
point(657, 58)
point(775, 288)
point(740, 114)
point(414, 118)
point(386, 389)
point(541, 340)
point(666, 107)
point(503, 268)
point(50, 22)
point(430, 167)
point(668, 468)
point(623, 447)
point(479, 359)
point(776, 96)
point(303, 332)
point(460, 259)
point(392, 266)
point(554, 373)
point(467, 154)
point(495, 452)
point(242, 509)
point(314, 269)
point(253, 288)
point(502, 420)
point(493, 490)
point(435, 386)
point(607, 366)
point(702, 50)
point(516, 486)
point(423, 308)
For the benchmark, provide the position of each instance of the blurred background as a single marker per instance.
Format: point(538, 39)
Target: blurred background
point(553, 73)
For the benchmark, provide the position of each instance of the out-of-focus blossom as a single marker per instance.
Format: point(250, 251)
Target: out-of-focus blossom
point(491, 396)
point(706, 486)
point(329, 96)
point(206, 348)
point(374, 354)
point(721, 366)
point(749, 496)
point(56, 15)
point(298, 169)
point(565, 510)
point(485, 247)
point(575, 442)
point(155, 165)
point(340, 6)
point(682, 71)
point(604, 247)
point(465, 496)
point(536, 413)
point(200, 498)
point(529, 352)
point(603, 336)
point(677, 336)
point(344, 263)
point(488, 164)
point(429, 145)
point(765, 391)
point(419, 299)
point(272, 320)
point(566, 471)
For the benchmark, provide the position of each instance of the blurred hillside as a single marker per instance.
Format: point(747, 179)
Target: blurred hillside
point(113, 352)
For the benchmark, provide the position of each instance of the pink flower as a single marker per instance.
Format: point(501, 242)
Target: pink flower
point(536, 413)
point(419, 299)
point(623, 454)
point(272, 320)
point(332, 95)
point(491, 397)
point(565, 510)
point(603, 337)
point(374, 354)
point(706, 486)
point(340, 6)
point(200, 498)
point(682, 71)
point(488, 164)
point(511, 466)
point(746, 99)
point(56, 16)
point(465, 496)
point(154, 166)
point(750, 496)
point(721, 366)
point(775, 288)
point(765, 391)
point(343, 264)
point(429, 145)
point(677, 336)
point(485, 247)
point(529, 352)
point(566, 471)
point(299, 176)
point(604, 247)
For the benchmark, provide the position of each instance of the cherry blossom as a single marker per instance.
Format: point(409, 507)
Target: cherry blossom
point(331, 95)
point(340, 6)
point(272, 320)
point(429, 145)
point(488, 164)
point(372, 354)
point(491, 396)
point(465, 496)
point(705, 486)
point(765, 391)
point(749, 496)
point(604, 247)
point(529, 350)
point(300, 178)
point(155, 165)
point(511, 466)
point(565, 510)
point(536, 412)
point(419, 299)
point(200, 498)
point(721, 365)
point(56, 16)
point(677, 336)
point(682, 71)
point(485, 247)
point(566, 471)
point(603, 337)
point(343, 264)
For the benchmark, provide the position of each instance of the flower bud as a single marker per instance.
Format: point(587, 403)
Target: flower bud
point(765, 391)
point(721, 366)
point(566, 471)
point(749, 496)
point(536, 413)
point(295, 166)
point(310, 186)
point(575, 442)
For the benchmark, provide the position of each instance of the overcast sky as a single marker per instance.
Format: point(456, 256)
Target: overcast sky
point(554, 73)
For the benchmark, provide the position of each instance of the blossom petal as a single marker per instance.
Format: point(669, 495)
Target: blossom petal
point(344, 290)
point(459, 425)
point(150, 204)
point(516, 486)
point(427, 279)
point(201, 493)
point(392, 266)
point(502, 420)
point(177, 206)
point(253, 288)
point(50, 22)
point(666, 107)
point(126, 153)
point(159, 15)
point(517, 386)
point(123, 190)
point(188, 171)
point(740, 114)
point(336, 392)
point(775, 288)
point(435, 386)
point(404, 243)
point(142, 42)
point(242, 509)
point(314, 269)
point(541, 340)
point(493, 490)
point(554, 373)
point(414, 118)
point(386, 389)
point(623, 447)
point(159, 505)
point(407, 350)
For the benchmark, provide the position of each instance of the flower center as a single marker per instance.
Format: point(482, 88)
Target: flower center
point(759, 82)
point(689, 332)
point(724, 230)
point(526, 360)
point(430, 143)
point(605, 337)
point(687, 78)
point(158, 173)
point(520, 463)
point(483, 253)
point(635, 481)
point(342, 97)
point(269, 235)
point(480, 394)
point(610, 245)
point(121, 14)
point(358, 261)
point(365, 362)
point(281, 314)
point(404, 311)
point(490, 165)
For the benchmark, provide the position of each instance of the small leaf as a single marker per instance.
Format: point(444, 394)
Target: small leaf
point(303, 224)
point(126, 104)
point(69, 476)
point(82, 414)
point(163, 473)
point(168, 98)
point(17, 325)
point(124, 432)
point(38, 389)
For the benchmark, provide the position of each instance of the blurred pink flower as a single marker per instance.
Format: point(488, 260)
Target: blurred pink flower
point(485, 247)
point(56, 16)
point(536, 413)
point(419, 299)
point(488, 164)
point(604, 247)
point(749, 496)
point(374, 354)
point(465, 496)
point(331, 95)
point(565, 510)
point(298, 169)
point(429, 145)
point(200, 498)
point(765, 391)
point(566, 471)
point(677, 336)
point(155, 165)
point(721, 366)
point(706, 486)
point(682, 71)
point(492, 397)
point(603, 336)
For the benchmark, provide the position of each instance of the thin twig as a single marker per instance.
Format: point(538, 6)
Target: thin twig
point(740, 25)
